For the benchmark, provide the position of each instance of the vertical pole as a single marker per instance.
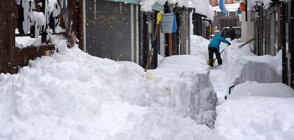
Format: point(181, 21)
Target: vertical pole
point(261, 31)
point(170, 44)
point(283, 42)
point(84, 26)
point(132, 33)
point(246, 12)
point(137, 34)
point(81, 24)
point(291, 39)
point(7, 37)
point(95, 10)
point(279, 28)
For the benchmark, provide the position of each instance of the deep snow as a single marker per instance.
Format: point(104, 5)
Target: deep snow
point(72, 95)
point(257, 111)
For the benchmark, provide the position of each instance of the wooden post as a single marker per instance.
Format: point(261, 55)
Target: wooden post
point(7, 36)
point(81, 25)
point(170, 44)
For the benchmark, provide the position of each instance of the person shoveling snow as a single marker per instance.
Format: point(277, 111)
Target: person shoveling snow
point(213, 47)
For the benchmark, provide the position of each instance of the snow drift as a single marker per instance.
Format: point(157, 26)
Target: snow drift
point(257, 111)
point(190, 87)
point(73, 95)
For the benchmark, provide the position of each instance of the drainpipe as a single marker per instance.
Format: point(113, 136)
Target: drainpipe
point(261, 31)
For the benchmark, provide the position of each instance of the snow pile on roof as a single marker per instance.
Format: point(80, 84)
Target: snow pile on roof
point(146, 5)
point(254, 117)
point(229, 7)
point(72, 95)
point(202, 6)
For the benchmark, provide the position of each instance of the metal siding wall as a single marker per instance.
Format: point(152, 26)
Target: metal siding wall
point(109, 33)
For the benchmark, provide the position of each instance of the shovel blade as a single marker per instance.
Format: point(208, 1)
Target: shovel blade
point(208, 61)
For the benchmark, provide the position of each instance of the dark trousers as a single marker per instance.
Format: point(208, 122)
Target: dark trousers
point(212, 50)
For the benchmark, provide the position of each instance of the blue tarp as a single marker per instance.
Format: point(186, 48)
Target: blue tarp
point(127, 1)
point(222, 7)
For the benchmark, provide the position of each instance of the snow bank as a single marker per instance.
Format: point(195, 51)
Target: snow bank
point(263, 89)
point(72, 95)
point(246, 117)
point(242, 66)
point(186, 79)
point(199, 46)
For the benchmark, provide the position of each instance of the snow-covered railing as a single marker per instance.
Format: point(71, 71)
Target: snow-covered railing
point(36, 23)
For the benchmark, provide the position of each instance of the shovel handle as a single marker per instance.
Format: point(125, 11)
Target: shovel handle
point(154, 38)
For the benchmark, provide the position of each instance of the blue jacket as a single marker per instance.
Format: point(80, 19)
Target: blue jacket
point(215, 42)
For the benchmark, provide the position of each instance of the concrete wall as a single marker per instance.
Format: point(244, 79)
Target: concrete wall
point(247, 32)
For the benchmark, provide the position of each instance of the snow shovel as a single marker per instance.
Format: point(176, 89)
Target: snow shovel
point(154, 39)
point(208, 61)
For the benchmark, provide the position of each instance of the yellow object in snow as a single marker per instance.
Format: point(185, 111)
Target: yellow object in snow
point(208, 61)
point(150, 76)
point(158, 18)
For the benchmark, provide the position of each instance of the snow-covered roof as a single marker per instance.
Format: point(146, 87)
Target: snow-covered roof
point(229, 7)
point(202, 6)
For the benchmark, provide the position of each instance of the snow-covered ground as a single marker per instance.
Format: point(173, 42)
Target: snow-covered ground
point(261, 111)
point(257, 111)
point(72, 95)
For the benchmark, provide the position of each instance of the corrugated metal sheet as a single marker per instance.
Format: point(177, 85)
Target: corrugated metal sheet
point(127, 1)
point(157, 7)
